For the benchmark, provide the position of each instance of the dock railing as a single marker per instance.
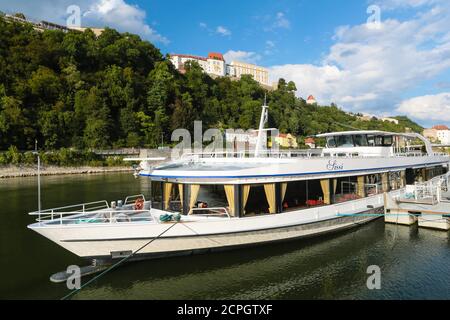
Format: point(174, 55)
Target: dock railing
point(431, 191)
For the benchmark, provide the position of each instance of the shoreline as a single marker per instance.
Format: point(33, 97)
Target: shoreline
point(10, 172)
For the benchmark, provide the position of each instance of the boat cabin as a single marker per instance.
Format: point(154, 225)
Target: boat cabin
point(353, 165)
point(372, 143)
point(254, 199)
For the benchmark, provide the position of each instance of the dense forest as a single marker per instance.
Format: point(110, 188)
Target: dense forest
point(74, 90)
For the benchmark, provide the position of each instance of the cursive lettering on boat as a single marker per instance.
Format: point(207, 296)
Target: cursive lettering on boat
point(333, 165)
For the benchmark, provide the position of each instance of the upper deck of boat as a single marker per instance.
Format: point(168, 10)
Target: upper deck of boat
point(345, 152)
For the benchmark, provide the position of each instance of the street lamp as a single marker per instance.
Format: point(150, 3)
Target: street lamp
point(39, 173)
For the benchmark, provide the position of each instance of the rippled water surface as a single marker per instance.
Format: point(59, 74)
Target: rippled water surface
point(415, 263)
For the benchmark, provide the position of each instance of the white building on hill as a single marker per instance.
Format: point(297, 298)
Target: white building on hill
point(215, 65)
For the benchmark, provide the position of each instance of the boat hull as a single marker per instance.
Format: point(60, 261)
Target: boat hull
point(254, 239)
point(186, 243)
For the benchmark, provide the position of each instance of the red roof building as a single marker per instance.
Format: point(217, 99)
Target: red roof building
point(311, 100)
point(441, 127)
point(216, 56)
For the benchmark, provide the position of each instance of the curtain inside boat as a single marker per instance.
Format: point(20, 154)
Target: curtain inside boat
point(245, 194)
point(335, 183)
point(360, 186)
point(325, 184)
point(180, 191)
point(270, 195)
point(283, 191)
point(167, 193)
point(195, 189)
point(424, 174)
point(229, 192)
point(385, 181)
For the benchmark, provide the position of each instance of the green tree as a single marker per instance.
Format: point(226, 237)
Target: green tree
point(96, 133)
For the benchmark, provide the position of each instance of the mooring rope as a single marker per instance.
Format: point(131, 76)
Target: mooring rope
point(196, 233)
point(117, 263)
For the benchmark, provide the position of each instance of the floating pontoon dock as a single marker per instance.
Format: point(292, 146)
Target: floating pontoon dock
point(427, 204)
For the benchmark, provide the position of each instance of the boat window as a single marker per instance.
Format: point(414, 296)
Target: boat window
point(360, 140)
point(388, 141)
point(371, 140)
point(331, 143)
point(379, 141)
point(344, 141)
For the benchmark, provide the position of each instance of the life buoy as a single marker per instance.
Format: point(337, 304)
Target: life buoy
point(139, 204)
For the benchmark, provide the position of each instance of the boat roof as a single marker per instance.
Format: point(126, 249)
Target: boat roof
point(348, 133)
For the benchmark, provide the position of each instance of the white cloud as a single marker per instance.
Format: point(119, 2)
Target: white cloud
point(124, 17)
point(394, 4)
point(426, 108)
point(270, 48)
point(270, 44)
point(369, 69)
point(281, 21)
point(95, 13)
point(243, 56)
point(223, 31)
point(278, 21)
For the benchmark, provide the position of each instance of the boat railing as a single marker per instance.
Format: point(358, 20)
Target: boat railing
point(221, 211)
point(77, 211)
point(133, 198)
point(248, 154)
point(103, 216)
point(372, 189)
point(77, 208)
point(289, 154)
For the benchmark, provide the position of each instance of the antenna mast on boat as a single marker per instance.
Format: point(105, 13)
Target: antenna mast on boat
point(262, 122)
point(39, 173)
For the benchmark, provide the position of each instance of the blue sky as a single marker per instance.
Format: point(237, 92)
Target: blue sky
point(327, 47)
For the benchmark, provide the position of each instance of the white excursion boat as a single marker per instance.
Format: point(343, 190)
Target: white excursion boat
point(255, 198)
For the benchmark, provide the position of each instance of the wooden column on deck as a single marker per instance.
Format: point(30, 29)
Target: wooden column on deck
point(186, 198)
point(278, 194)
point(162, 195)
point(332, 193)
point(238, 210)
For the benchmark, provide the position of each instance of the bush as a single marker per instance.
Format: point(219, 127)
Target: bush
point(13, 155)
point(29, 158)
point(114, 161)
point(3, 160)
point(50, 158)
point(64, 157)
point(95, 163)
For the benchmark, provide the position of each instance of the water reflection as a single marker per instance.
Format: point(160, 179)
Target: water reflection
point(327, 268)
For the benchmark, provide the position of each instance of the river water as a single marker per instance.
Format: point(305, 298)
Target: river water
point(414, 263)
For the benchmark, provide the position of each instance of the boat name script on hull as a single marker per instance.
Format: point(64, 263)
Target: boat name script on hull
point(334, 165)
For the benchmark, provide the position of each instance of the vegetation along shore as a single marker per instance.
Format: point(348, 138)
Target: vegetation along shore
point(22, 171)
point(14, 163)
point(77, 90)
